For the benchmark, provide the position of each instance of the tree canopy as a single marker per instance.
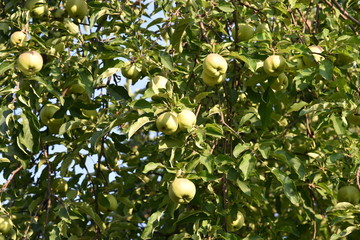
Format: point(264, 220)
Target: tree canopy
point(93, 131)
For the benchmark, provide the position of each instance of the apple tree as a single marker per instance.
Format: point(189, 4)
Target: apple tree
point(189, 119)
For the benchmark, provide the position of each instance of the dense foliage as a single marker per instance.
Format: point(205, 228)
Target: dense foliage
point(277, 155)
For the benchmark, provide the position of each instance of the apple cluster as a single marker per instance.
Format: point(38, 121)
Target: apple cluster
point(214, 69)
point(170, 122)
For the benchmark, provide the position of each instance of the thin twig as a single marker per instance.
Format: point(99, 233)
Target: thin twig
point(357, 177)
point(10, 178)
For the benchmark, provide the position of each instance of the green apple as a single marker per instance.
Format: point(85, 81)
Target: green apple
point(245, 32)
point(214, 65)
point(280, 83)
point(77, 9)
point(167, 123)
point(17, 38)
point(212, 80)
point(46, 117)
point(4, 27)
point(38, 8)
point(311, 61)
point(349, 194)
point(131, 71)
point(5, 224)
point(274, 65)
point(186, 119)
point(59, 13)
point(343, 59)
point(159, 81)
point(235, 224)
point(30, 62)
point(182, 190)
point(107, 203)
point(59, 186)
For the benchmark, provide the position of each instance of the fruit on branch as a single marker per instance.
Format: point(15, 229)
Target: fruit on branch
point(234, 224)
point(312, 59)
point(77, 9)
point(280, 83)
point(349, 194)
point(167, 123)
point(182, 190)
point(274, 65)
point(131, 71)
point(186, 119)
point(59, 186)
point(245, 32)
point(17, 38)
point(47, 118)
point(343, 59)
point(214, 65)
point(30, 62)
point(159, 81)
point(107, 203)
point(211, 80)
point(38, 8)
point(5, 224)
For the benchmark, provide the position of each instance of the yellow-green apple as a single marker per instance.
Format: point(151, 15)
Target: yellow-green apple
point(30, 62)
point(280, 83)
point(274, 65)
point(159, 81)
point(131, 71)
point(59, 186)
point(214, 65)
point(312, 60)
point(17, 38)
point(47, 117)
point(182, 190)
point(212, 80)
point(5, 224)
point(245, 32)
point(107, 203)
point(167, 123)
point(37, 8)
point(349, 194)
point(234, 224)
point(186, 119)
point(77, 9)
point(57, 49)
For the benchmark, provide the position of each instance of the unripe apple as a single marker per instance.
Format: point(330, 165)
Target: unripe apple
point(17, 38)
point(214, 65)
point(77, 9)
point(59, 186)
point(30, 62)
point(280, 83)
point(182, 190)
point(212, 80)
point(245, 32)
point(274, 65)
point(5, 224)
point(343, 59)
point(235, 224)
point(159, 81)
point(186, 119)
point(37, 8)
point(131, 71)
point(110, 205)
point(167, 123)
point(59, 13)
point(311, 62)
point(46, 117)
point(4, 27)
point(349, 194)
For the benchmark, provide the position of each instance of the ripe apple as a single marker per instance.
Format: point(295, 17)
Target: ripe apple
point(5, 224)
point(274, 65)
point(212, 80)
point(245, 32)
point(235, 224)
point(17, 38)
point(186, 119)
point(131, 71)
point(159, 81)
point(312, 61)
point(182, 190)
point(77, 9)
point(167, 123)
point(107, 203)
point(59, 186)
point(280, 83)
point(349, 194)
point(37, 8)
point(214, 65)
point(46, 117)
point(30, 62)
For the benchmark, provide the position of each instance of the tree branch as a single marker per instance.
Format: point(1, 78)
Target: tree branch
point(10, 178)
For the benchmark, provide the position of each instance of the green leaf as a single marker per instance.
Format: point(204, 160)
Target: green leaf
point(215, 130)
point(226, 7)
point(137, 125)
point(6, 66)
point(239, 148)
point(326, 69)
point(337, 124)
point(118, 92)
point(244, 187)
point(297, 106)
point(87, 209)
point(152, 166)
point(166, 60)
point(151, 225)
point(177, 36)
point(247, 165)
point(288, 186)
